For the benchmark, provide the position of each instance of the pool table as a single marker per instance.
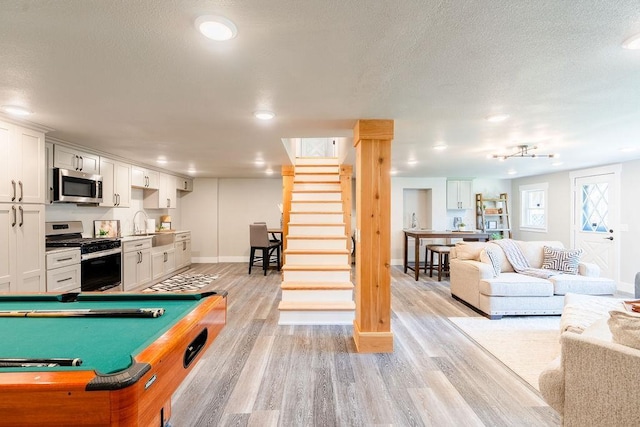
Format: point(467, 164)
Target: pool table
point(130, 366)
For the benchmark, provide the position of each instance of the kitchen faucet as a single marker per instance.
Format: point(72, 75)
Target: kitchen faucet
point(136, 229)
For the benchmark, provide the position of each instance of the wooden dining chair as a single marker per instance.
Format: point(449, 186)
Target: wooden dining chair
point(259, 239)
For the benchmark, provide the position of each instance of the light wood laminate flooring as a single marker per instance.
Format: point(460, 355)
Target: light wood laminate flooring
point(257, 373)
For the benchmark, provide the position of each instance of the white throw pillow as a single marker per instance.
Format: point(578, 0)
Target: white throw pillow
point(625, 328)
point(490, 256)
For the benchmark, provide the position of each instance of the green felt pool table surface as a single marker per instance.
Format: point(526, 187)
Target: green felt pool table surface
point(105, 345)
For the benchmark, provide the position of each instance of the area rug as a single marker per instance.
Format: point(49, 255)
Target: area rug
point(183, 282)
point(525, 344)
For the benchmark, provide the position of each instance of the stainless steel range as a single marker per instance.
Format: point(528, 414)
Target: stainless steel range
point(101, 262)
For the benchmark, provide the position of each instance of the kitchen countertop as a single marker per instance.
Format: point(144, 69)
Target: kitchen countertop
point(60, 250)
point(148, 236)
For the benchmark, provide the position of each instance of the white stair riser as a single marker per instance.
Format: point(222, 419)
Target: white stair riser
point(316, 317)
point(315, 207)
point(316, 276)
point(317, 218)
point(295, 197)
point(316, 161)
point(320, 186)
point(317, 295)
point(311, 230)
point(318, 169)
point(299, 179)
point(316, 244)
point(317, 259)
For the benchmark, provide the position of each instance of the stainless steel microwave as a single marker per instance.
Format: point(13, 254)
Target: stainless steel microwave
point(76, 187)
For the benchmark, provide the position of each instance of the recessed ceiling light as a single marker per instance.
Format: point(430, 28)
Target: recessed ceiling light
point(511, 172)
point(16, 110)
point(216, 27)
point(440, 147)
point(191, 171)
point(632, 43)
point(269, 171)
point(496, 118)
point(393, 172)
point(264, 115)
point(259, 162)
point(161, 161)
point(412, 162)
point(557, 163)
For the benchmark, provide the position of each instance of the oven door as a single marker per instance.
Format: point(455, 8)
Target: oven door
point(101, 271)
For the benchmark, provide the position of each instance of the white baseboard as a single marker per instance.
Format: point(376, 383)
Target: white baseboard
point(233, 259)
point(627, 287)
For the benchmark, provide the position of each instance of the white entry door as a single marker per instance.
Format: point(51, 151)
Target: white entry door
point(596, 221)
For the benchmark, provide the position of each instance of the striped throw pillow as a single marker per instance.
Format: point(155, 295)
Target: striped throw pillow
point(564, 260)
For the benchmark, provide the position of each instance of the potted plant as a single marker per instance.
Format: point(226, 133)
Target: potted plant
point(461, 226)
point(495, 236)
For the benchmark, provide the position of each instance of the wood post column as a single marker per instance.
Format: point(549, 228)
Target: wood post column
point(287, 187)
point(372, 324)
point(346, 172)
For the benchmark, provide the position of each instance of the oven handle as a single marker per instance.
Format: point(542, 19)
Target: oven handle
point(100, 254)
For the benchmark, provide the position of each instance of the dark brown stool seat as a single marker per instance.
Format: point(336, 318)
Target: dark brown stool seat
point(443, 260)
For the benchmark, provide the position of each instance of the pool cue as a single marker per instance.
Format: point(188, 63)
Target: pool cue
point(39, 362)
point(108, 312)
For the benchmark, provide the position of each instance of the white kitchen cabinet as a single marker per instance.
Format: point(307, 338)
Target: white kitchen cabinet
point(22, 165)
point(116, 183)
point(71, 158)
point(459, 195)
point(144, 178)
point(136, 264)
point(182, 248)
point(22, 260)
point(63, 270)
point(48, 156)
point(163, 261)
point(165, 197)
point(184, 184)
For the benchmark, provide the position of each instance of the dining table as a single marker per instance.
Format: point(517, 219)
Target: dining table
point(418, 235)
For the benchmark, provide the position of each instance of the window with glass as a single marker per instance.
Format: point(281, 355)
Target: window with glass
point(533, 205)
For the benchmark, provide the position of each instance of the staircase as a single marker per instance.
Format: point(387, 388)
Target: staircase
point(316, 287)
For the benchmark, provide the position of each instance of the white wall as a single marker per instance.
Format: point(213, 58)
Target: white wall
point(200, 215)
point(240, 203)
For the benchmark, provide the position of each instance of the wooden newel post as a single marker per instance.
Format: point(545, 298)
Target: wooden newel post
point(287, 187)
point(372, 324)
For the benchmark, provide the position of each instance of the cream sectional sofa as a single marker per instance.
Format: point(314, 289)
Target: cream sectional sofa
point(594, 382)
point(473, 281)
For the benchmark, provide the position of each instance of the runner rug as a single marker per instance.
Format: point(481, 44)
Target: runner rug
point(525, 344)
point(183, 282)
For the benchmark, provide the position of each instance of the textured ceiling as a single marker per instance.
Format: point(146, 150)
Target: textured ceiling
point(136, 79)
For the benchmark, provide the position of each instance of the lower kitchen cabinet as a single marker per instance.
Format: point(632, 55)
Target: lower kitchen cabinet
point(63, 270)
point(22, 259)
point(163, 260)
point(136, 264)
point(182, 248)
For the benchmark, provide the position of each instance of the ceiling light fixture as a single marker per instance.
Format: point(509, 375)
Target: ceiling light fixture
point(632, 43)
point(412, 162)
point(440, 147)
point(522, 151)
point(269, 171)
point(16, 110)
point(264, 115)
point(496, 118)
point(216, 27)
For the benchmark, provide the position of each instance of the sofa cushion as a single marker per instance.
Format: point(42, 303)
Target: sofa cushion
point(533, 251)
point(625, 328)
point(565, 260)
point(472, 250)
point(571, 283)
point(516, 285)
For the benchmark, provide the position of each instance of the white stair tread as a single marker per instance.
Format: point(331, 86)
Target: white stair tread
point(320, 237)
point(304, 267)
point(316, 252)
point(308, 286)
point(316, 306)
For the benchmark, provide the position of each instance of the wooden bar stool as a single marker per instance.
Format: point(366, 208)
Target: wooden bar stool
point(443, 260)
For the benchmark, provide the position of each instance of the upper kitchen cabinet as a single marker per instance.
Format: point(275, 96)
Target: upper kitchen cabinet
point(22, 165)
point(144, 178)
point(116, 183)
point(74, 159)
point(184, 184)
point(165, 196)
point(459, 195)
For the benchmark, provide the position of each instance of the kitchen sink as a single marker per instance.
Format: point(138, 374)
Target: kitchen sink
point(160, 238)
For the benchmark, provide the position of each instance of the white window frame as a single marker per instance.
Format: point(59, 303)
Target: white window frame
point(524, 189)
